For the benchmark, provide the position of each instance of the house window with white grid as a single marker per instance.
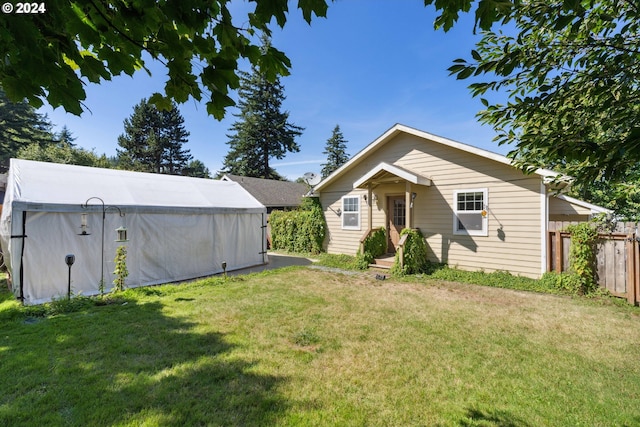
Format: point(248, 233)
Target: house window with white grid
point(351, 212)
point(470, 214)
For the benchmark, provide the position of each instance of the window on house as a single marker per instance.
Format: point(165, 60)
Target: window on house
point(470, 216)
point(351, 212)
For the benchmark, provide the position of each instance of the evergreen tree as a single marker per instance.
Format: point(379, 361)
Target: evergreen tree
point(196, 169)
point(263, 130)
point(335, 149)
point(20, 125)
point(153, 140)
point(175, 158)
point(64, 137)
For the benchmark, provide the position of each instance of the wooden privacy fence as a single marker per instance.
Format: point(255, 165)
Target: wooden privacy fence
point(617, 257)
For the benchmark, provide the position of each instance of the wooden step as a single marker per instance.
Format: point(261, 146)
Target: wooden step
point(385, 262)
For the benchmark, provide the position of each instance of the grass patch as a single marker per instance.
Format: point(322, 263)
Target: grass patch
point(345, 262)
point(310, 347)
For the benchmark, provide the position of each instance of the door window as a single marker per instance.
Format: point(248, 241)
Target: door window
point(399, 212)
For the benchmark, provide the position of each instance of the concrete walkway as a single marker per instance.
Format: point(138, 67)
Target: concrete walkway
point(275, 261)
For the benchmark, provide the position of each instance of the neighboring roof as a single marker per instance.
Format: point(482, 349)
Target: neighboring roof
point(398, 129)
point(52, 186)
point(271, 192)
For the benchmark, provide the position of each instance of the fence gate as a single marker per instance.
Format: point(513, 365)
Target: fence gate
point(617, 257)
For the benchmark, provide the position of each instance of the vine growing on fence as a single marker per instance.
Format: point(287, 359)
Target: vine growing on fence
point(582, 256)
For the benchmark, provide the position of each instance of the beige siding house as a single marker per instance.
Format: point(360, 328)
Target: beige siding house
point(475, 210)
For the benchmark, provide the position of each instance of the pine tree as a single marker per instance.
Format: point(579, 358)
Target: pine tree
point(175, 158)
point(335, 149)
point(64, 137)
point(153, 140)
point(263, 130)
point(20, 126)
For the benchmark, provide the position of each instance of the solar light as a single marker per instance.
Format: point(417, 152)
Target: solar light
point(69, 260)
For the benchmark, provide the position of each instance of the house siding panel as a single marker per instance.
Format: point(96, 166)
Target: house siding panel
point(514, 222)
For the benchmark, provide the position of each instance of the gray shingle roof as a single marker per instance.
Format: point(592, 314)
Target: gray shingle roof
point(270, 192)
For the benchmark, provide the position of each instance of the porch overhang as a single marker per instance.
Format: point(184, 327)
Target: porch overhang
point(386, 173)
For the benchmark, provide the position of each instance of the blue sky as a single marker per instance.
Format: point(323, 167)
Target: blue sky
point(368, 65)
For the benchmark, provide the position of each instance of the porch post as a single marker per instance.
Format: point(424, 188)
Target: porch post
point(407, 202)
point(370, 206)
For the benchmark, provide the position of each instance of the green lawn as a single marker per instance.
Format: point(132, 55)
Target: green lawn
point(308, 347)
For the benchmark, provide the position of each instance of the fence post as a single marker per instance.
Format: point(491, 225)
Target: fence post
point(559, 251)
point(631, 268)
point(636, 262)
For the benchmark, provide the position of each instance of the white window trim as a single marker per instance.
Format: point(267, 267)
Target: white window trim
point(349, 227)
point(485, 219)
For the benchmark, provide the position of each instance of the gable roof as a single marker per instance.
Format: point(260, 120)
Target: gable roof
point(59, 187)
point(384, 169)
point(398, 129)
point(271, 192)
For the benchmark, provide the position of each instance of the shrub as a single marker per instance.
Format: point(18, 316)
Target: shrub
point(570, 283)
point(414, 253)
point(374, 245)
point(376, 242)
point(300, 230)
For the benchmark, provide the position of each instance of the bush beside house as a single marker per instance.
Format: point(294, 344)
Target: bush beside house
point(300, 230)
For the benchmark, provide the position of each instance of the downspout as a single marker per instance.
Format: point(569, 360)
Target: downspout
point(544, 213)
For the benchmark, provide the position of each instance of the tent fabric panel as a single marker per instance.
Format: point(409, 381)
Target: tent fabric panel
point(161, 249)
point(11, 246)
point(172, 247)
point(32, 183)
point(46, 274)
point(239, 241)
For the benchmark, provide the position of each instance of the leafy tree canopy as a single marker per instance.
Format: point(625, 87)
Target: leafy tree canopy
point(196, 169)
point(50, 56)
point(63, 153)
point(571, 71)
point(77, 42)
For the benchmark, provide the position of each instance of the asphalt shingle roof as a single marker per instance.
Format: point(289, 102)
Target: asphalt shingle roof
point(271, 192)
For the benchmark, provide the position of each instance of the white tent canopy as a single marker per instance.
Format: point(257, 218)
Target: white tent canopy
point(178, 228)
